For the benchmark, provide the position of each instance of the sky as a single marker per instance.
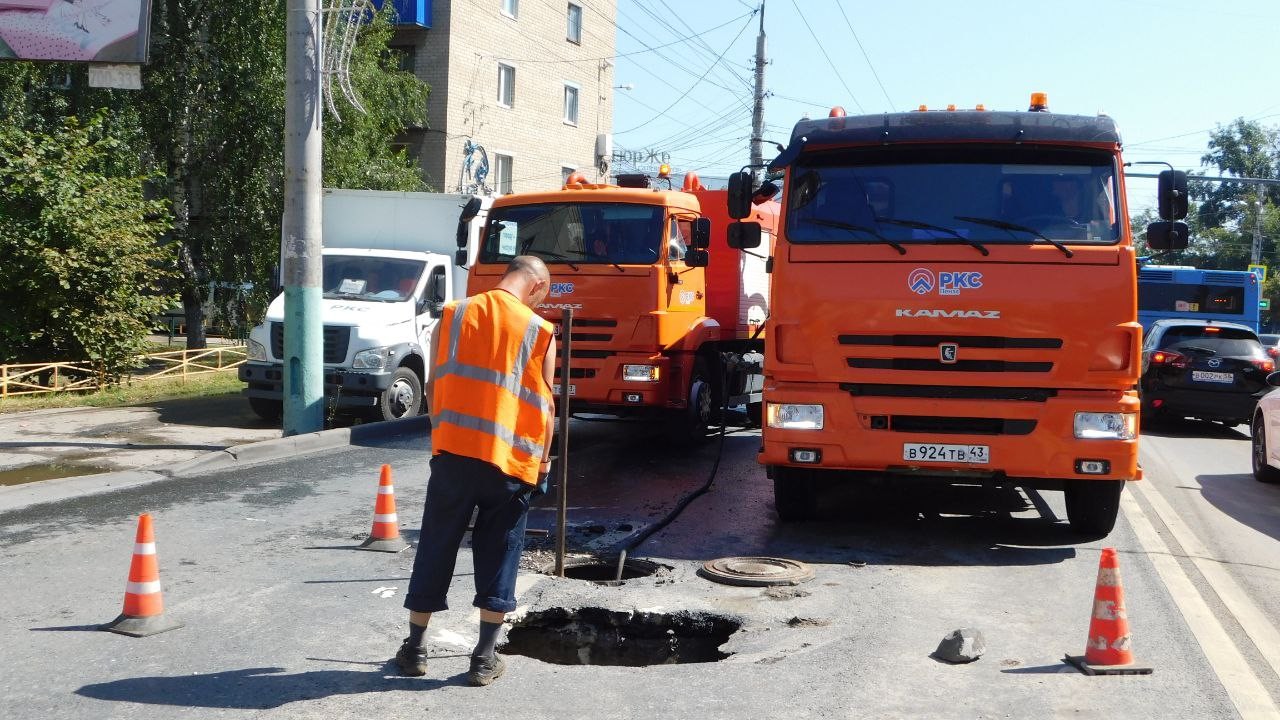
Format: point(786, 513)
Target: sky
point(1167, 71)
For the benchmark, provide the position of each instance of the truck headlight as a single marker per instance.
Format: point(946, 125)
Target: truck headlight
point(794, 417)
point(372, 359)
point(257, 351)
point(1106, 426)
point(640, 373)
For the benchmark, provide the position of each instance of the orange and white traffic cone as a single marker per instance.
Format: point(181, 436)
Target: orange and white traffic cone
point(386, 525)
point(1109, 649)
point(143, 602)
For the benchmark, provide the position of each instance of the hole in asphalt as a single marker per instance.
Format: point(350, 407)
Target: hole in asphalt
point(595, 636)
point(606, 573)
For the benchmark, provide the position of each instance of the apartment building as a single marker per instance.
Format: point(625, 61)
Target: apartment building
point(526, 83)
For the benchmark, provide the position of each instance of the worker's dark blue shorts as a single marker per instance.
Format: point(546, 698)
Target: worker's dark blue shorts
point(457, 486)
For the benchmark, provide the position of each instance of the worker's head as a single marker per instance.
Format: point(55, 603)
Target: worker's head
point(527, 278)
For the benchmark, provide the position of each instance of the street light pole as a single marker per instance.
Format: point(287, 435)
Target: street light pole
point(300, 241)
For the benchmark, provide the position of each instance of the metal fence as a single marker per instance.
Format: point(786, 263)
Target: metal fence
point(54, 377)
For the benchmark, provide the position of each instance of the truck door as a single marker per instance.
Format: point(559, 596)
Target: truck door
point(685, 284)
point(435, 292)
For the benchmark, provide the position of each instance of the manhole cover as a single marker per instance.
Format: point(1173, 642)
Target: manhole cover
point(756, 571)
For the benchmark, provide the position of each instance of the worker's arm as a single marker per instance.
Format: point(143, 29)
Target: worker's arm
point(427, 391)
point(549, 372)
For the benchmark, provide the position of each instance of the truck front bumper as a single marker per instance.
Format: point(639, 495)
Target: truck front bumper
point(1029, 442)
point(347, 388)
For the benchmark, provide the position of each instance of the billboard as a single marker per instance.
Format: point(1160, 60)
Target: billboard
point(105, 31)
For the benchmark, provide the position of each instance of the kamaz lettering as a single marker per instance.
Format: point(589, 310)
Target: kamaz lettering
point(980, 314)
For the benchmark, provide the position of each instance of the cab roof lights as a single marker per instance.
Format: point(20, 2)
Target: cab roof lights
point(664, 171)
point(836, 111)
point(1039, 102)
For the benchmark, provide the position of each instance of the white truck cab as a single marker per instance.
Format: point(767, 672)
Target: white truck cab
point(389, 266)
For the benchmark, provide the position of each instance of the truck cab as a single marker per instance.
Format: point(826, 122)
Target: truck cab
point(388, 269)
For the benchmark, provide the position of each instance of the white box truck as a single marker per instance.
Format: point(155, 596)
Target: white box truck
point(389, 265)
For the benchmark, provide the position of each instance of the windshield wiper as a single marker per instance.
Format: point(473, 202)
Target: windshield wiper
point(856, 228)
point(1010, 227)
point(1198, 348)
point(937, 228)
point(557, 256)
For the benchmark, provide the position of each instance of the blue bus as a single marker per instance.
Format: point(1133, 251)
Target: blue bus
point(1166, 291)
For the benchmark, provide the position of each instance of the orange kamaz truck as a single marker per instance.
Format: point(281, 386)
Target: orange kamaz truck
point(953, 297)
point(667, 319)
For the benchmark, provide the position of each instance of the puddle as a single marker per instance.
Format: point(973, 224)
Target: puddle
point(595, 636)
point(47, 471)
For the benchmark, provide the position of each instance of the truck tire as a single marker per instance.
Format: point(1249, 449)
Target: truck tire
point(793, 494)
point(269, 410)
point(403, 397)
point(1092, 505)
point(690, 425)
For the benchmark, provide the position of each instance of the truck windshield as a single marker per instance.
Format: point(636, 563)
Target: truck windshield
point(378, 279)
point(932, 194)
point(573, 233)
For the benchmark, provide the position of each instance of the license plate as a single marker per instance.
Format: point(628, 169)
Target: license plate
point(555, 390)
point(1213, 377)
point(933, 452)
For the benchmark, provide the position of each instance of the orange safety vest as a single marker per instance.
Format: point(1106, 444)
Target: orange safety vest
point(490, 400)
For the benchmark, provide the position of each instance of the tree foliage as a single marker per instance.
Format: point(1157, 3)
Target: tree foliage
point(82, 263)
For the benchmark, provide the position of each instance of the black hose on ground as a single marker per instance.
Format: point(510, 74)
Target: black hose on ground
point(687, 499)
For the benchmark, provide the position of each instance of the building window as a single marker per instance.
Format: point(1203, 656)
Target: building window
point(570, 104)
point(575, 24)
point(502, 173)
point(511, 7)
point(565, 172)
point(506, 85)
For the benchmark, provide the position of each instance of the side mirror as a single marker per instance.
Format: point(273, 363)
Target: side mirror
point(1172, 195)
point(470, 210)
point(464, 233)
point(438, 288)
point(1274, 379)
point(460, 258)
point(697, 258)
point(765, 192)
point(701, 239)
point(739, 195)
point(744, 235)
point(1165, 235)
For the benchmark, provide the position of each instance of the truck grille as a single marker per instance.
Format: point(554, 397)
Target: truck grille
point(959, 425)
point(599, 332)
point(926, 365)
point(948, 392)
point(336, 340)
point(964, 341)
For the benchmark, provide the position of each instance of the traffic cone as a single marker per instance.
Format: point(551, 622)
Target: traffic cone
point(386, 525)
point(1109, 649)
point(143, 602)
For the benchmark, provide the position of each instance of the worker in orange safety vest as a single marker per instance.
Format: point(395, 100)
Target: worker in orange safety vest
point(492, 418)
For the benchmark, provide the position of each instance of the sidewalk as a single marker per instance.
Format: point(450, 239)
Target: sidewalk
point(66, 442)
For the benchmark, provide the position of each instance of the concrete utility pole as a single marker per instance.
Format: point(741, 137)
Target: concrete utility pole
point(300, 230)
point(1256, 255)
point(757, 112)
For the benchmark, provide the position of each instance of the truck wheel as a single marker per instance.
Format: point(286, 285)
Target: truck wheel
point(689, 426)
point(793, 494)
point(403, 398)
point(269, 410)
point(1262, 472)
point(1092, 505)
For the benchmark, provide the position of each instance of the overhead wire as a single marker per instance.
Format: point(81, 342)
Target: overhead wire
point(834, 69)
point(866, 57)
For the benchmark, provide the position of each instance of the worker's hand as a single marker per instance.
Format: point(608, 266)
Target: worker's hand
point(544, 478)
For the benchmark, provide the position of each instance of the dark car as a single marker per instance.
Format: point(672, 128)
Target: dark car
point(1271, 343)
point(1203, 369)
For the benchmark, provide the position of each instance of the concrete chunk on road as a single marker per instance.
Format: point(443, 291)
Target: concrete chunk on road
point(961, 646)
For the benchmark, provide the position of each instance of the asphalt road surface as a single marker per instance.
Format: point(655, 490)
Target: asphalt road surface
point(283, 618)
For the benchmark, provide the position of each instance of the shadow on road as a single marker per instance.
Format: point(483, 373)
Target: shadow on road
point(256, 688)
point(1248, 501)
point(231, 410)
point(1194, 428)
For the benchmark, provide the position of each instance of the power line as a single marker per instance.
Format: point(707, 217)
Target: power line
point(696, 83)
point(866, 57)
point(648, 49)
point(834, 69)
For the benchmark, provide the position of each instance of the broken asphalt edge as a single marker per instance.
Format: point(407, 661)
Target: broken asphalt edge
point(18, 497)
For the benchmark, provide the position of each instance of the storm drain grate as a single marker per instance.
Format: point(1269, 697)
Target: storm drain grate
point(756, 571)
point(596, 636)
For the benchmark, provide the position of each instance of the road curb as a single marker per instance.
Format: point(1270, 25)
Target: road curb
point(18, 497)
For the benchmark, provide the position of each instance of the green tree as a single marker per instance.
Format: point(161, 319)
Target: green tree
point(83, 265)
